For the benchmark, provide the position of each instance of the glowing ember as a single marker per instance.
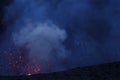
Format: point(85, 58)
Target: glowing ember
point(18, 61)
point(32, 69)
point(28, 74)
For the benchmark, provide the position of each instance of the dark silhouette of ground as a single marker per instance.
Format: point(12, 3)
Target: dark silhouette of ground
point(109, 71)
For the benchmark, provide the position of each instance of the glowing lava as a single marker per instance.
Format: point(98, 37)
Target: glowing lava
point(29, 74)
point(18, 62)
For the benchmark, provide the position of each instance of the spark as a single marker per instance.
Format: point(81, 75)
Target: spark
point(19, 62)
point(29, 74)
point(31, 68)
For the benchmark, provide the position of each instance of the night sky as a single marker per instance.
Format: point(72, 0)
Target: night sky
point(43, 36)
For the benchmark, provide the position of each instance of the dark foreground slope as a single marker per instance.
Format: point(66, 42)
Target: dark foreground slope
point(109, 71)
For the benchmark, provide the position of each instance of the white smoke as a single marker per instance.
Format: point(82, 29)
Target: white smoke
point(87, 39)
point(44, 41)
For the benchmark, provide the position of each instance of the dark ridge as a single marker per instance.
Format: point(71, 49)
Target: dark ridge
point(110, 71)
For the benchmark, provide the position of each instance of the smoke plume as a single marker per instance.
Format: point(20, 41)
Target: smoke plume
point(44, 42)
point(62, 34)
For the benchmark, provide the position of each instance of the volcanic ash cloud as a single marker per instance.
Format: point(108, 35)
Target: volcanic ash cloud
point(44, 42)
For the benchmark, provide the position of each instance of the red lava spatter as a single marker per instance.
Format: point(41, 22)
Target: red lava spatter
point(32, 69)
point(18, 63)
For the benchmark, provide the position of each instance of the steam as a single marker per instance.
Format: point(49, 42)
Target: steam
point(78, 32)
point(44, 39)
point(44, 42)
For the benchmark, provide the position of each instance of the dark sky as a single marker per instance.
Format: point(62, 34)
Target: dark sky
point(58, 34)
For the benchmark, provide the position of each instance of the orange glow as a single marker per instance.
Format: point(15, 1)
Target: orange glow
point(20, 63)
point(29, 74)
